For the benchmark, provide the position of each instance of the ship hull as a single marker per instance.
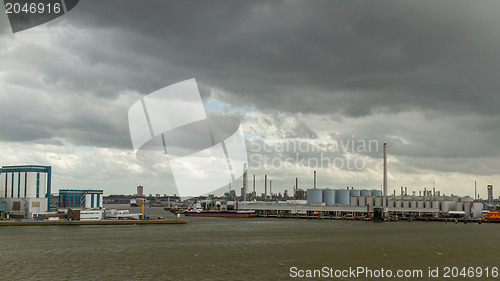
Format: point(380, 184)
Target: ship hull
point(225, 214)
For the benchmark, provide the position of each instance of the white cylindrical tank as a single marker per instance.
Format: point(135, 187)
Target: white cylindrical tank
point(314, 196)
point(420, 204)
point(354, 201)
point(427, 204)
point(390, 203)
point(466, 199)
point(435, 204)
point(378, 202)
point(398, 204)
point(459, 206)
point(413, 204)
point(447, 205)
point(406, 204)
point(342, 197)
point(370, 201)
point(477, 210)
point(467, 209)
point(377, 192)
point(329, 197)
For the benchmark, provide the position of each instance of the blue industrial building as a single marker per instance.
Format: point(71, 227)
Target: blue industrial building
point(80, 198)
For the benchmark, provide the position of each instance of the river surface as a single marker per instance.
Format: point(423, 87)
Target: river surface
point(243, 249)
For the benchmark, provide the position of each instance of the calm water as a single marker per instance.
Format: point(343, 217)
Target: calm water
point(239, 249)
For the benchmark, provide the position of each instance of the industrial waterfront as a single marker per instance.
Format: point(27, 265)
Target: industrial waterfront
point(238, 249)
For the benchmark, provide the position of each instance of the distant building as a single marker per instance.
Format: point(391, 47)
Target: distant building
point(140, 190)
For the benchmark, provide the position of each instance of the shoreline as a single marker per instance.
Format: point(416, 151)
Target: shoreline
point(96, 222)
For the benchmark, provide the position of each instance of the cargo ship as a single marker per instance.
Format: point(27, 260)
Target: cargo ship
point(197, 211)
point(492, 216)
point(227, 214)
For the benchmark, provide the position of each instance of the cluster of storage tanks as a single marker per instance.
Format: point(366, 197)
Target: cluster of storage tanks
point(360, 198)
point(341, 197)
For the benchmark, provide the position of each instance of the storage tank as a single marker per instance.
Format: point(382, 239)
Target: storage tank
point(354, 201)
point(435, 204)
point(329, 197)
point(366, 192)
point(477, 210)
point(355, 192)
point(361, 201)
point(370, 201)
point(342, 197)
point(427, 204)
point(420, 204)
point(398, 204)
point(413, 204)
point(467, 209)
point(459, 206)
point(378, 202)
point(390, 202)
point(314, 196)
point(466, 199)
point(447, 206)
point(377, 193)
point(406, 204)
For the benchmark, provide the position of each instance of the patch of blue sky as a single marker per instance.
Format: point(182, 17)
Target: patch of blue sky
point(227, 108)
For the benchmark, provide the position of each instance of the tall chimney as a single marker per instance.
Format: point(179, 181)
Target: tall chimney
point(314, 179)
point(271, 189)
point(265, 188)
point(245, 182)
point(253, 183)
point(385, 169)
point(296, 186)
point(475, 190)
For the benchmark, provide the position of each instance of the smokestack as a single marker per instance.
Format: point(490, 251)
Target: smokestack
point(296, 184)
point(271, 189)
point(253, 183)
point(475, 190)
point(314, 179)
point(245, 182)
point(433, 191)
point(406, 191)
point(265, 188)
point(385, 169)
point(402, 191)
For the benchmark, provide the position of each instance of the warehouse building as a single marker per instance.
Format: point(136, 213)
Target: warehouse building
point(80, 198)
point(25, 189)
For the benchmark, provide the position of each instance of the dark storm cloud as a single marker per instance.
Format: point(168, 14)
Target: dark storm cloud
point(353, 58)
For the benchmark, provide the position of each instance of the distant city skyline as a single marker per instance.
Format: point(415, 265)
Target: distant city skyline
point(420, 76)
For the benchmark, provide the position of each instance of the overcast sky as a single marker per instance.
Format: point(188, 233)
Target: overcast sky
point(422, 76)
